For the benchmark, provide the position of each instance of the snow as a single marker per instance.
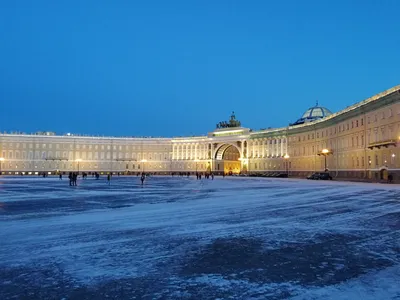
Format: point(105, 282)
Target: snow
point(231, 238)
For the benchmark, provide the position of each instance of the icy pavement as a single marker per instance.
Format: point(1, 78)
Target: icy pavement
point(179, 238)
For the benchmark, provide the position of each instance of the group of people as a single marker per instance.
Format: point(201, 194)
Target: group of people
point(73, 177)
point(206, 176)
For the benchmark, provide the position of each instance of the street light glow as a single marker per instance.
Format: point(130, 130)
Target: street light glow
point(78, 160)
point(1, 158)
point(325, 151)
point(144, 160)
point(286, 156)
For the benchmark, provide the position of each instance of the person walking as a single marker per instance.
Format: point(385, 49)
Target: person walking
point(75, 178)
point(142, 178)
point(109, 179)
point(70, 178)
point(60, 176)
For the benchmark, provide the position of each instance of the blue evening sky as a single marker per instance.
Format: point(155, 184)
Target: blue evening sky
point(172, 68)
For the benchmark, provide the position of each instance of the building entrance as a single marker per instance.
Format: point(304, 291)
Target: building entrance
point(227, 160)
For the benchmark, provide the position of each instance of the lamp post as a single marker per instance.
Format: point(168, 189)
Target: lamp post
point(1, 161)
point(196, 160)
point(143, 164)
point(245, 163)
point(78, 161)
point(286, 157)
point(325, 153)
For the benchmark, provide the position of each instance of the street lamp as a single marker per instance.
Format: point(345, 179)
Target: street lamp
point(244, 163)
point(286, 157)
point(325, 152)
point(143, 161)
point(196, 160)
point(1, 160)
point(78, 161)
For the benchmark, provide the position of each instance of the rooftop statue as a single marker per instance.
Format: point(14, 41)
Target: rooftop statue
point(232, 122)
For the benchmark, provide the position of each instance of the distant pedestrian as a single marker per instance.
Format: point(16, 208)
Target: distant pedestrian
point(109, 179)
point(390, 178)
point(75, 178)
point(60, 176)
point(142, 178)
point(70, 178)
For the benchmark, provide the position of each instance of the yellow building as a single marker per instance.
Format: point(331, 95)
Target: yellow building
point(357, 142)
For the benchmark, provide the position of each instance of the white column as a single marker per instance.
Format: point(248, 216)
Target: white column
point(263, 148)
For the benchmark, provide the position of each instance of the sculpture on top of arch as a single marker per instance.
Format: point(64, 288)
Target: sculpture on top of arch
point(231, 123)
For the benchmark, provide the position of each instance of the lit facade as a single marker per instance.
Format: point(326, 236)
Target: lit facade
point(360, 141)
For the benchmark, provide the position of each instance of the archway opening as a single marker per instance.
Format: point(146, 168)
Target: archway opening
point(227, 160)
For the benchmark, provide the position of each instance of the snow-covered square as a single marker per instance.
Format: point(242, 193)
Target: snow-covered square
point(182, 238)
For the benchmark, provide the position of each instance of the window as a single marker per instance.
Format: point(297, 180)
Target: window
point(356, 123)
point(352, 124)
point(362, 122)
point(390, 113)
point(376, 160)
point(362, 140)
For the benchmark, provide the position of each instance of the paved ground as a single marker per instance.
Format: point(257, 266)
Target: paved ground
point(178, 238)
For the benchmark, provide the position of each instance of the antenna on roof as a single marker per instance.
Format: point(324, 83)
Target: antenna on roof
point(317, 103)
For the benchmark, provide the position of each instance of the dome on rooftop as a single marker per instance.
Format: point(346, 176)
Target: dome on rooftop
point(312, 114)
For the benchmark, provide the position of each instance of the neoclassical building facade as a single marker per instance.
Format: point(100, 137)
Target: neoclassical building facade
point(359, 141)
